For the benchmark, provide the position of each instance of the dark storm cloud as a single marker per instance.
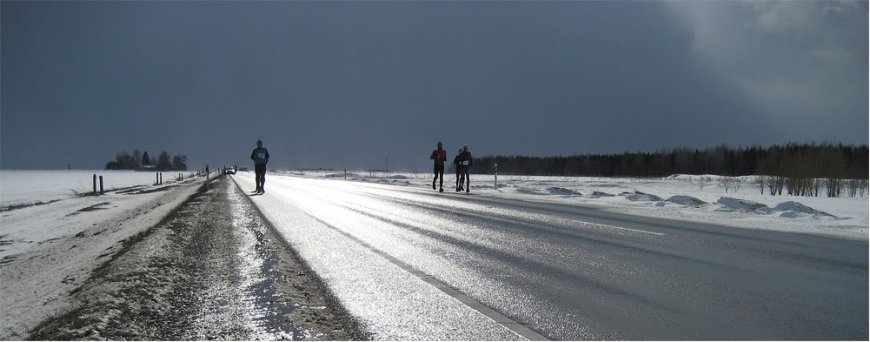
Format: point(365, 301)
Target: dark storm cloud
point(803, 63)
point(342, 84)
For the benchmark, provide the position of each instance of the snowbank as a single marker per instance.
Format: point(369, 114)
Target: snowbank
point(688, 201)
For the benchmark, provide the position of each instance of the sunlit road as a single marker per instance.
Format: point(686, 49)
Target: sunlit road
point(415, 264)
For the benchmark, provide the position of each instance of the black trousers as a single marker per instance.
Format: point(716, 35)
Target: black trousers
point(439, 171)
point(457, 177)
point(260, 171)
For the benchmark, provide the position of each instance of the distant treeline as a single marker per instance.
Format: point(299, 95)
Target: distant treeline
point(142, 161)
point(798, 161)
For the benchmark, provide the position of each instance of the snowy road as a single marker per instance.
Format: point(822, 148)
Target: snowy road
point(414, 264)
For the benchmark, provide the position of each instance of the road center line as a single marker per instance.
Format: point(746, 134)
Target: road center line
point(496, 316)
point(622, 228)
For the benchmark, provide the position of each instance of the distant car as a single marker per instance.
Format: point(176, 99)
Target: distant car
point(229, 171)
point(244, 169)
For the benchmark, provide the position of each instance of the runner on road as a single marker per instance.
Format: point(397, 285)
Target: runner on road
point(465, 163)
point(260, 156)
point(439, 156)
point(456, 168)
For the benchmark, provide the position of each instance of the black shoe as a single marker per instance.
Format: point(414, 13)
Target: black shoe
point(433, 185)
point(442, 190)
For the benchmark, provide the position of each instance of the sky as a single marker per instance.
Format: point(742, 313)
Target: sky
point(353, 84)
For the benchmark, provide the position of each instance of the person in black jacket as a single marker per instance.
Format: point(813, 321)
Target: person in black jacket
point(260, 156)
point(456, 168)
point(465, 164)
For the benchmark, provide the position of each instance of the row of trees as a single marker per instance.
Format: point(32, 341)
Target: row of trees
point(802, 169)
point(812, 187)
point(142, 161)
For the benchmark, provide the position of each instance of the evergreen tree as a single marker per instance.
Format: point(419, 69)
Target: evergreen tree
point(164, 162)
point(179, 162)
point(799, 164)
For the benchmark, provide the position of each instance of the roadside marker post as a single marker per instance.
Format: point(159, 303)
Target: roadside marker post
point(495, 185)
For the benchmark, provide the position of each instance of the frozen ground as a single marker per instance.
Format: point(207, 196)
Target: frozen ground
point(678, 197)
point(49, 248)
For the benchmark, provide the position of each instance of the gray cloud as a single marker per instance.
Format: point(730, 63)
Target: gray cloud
point(804, 62)
point(344, 84)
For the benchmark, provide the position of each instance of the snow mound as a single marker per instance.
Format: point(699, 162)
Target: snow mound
point(640, 196)
point(500, 186)
point(529, 191)
point(390, 181)
point(688, 201)
point(600, 184)
point(340, 175)
point(563, 192)
point(599, 194)
point(792, 209)
point(736, 204)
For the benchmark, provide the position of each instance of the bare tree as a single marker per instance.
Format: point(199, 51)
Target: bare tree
point(760, 182)
point(703, 181)
point(862, 188)
point(732, 183)
point(778, 183)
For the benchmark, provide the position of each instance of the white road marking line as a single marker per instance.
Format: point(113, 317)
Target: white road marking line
point(621, 228)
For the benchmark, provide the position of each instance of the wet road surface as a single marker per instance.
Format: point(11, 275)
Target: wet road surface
point(563, 272)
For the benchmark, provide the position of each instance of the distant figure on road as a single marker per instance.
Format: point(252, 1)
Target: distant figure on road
point(465, 163)
point(439, 156)
point(260, 156)
point(456, 168)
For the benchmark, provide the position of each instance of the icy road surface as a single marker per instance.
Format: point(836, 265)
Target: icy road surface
point(415, 264)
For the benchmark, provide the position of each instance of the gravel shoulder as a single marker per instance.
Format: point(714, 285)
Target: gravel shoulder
point(212, 270)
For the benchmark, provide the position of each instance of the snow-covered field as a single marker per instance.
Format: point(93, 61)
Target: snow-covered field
point(51, 239)
point(680, 197)
point(27, 187)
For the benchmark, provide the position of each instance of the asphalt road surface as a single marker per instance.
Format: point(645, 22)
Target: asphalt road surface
point(553, 271)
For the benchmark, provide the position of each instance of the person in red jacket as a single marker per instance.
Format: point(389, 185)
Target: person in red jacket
point(439, 156)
